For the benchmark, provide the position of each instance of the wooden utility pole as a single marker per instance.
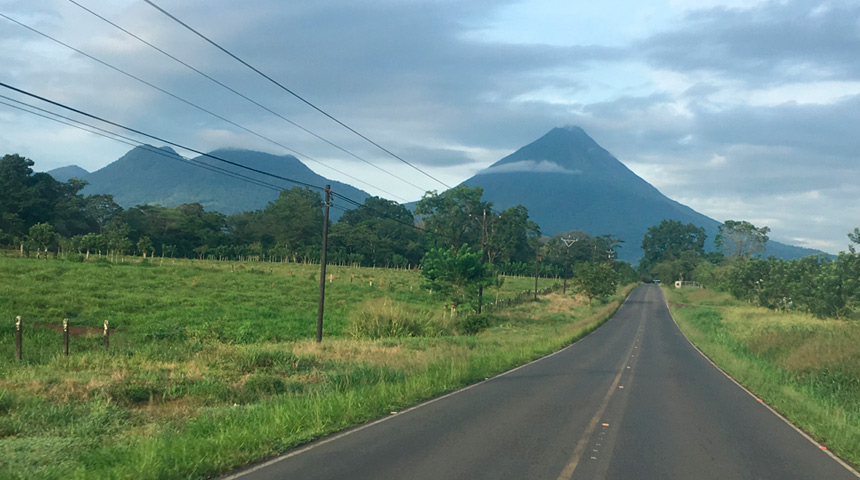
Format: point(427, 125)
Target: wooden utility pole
point(322, 264)
point(537, 271)
point(483, 248)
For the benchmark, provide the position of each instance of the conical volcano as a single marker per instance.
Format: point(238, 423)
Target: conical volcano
point(569, 182)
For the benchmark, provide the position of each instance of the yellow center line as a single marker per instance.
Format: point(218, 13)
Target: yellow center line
point(567, 473)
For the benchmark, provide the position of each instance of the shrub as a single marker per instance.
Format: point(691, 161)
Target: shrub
point(473, 323)
point(384, 317)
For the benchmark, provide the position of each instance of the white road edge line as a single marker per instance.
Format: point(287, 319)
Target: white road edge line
point(338, 436)
point(762, 402)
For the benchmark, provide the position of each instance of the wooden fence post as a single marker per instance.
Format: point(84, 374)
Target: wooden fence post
point(107, 334)
point(18, 340)
point(66, 337)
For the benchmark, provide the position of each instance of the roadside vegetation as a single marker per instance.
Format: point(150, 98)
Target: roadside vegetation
point(805, 366)
point(212, 364)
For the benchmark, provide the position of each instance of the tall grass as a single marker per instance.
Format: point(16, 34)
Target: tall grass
point(212, 365)
point(806, 367)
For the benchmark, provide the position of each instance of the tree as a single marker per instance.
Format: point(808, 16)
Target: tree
point(457, 274)
point(668, 241)
point(116, 234)
point(741, 238)
point(454, 215)
point(379, 231)
point(508, 234)
point(100, 209)
point(41, 236)
point(855, 238)
point(144, 245)
point(596, 280)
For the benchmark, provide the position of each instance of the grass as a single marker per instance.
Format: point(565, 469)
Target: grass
point(212, 365)
point(806, 367)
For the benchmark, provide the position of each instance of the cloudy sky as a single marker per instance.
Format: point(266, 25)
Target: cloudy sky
point(737, 108)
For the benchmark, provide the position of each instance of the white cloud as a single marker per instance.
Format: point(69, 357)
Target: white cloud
point(530, 166)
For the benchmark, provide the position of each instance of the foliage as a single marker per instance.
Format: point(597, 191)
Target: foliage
point(457, 274)
point(565, 250)
point(596, 280)
point(453, 215)
point(509, 235)
point(41, 237)
point(378, 233)
point(672, 241)
point(818, 284)
point(741, 238)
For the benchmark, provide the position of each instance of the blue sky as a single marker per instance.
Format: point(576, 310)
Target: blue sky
point(739, 109)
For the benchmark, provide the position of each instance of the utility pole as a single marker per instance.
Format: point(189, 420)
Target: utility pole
point(323, 263)
point(567, 242)
point(483, 252)
point(537, 271)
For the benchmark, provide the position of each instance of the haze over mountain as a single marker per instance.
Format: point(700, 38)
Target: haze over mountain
point(569, 182)
point(148, 175)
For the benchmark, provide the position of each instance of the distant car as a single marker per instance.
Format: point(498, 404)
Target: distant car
point(656, 281)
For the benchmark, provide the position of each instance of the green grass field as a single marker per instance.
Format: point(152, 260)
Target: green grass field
point(805, 367)
point(212, 365)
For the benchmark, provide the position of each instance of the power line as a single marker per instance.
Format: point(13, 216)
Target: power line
point(157, 138)
point(132, 142)
point(291, 92)
point(240, 94)
point(187, 102)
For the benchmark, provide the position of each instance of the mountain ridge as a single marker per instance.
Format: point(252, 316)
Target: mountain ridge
point(150, 175)
point(589, 190)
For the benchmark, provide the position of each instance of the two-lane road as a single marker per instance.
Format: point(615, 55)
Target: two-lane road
point(633, 400)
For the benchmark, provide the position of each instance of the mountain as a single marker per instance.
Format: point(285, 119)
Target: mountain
point(569, 182)
point(63, 174)
point(149, 175)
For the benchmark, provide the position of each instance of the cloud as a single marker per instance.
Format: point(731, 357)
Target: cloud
point(529, 166)
point(771, 43)
point(737, 109)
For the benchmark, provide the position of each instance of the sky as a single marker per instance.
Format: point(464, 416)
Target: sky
point(742, 110)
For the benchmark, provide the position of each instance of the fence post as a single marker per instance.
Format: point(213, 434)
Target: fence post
point(66, 337)
point(18, 340)
point(107, 334)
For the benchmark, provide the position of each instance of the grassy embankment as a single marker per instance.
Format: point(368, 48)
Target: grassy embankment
point(805, 367)
point(212, 365)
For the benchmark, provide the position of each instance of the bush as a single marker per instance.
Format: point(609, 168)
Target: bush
point(383, 317)
point(472, 324)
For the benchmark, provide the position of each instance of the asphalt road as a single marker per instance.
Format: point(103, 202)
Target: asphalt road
point(633, 400)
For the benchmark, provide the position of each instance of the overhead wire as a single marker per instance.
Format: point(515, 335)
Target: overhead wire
point(291, 92)
point(55, 117)
point(184, 147)
point(157, 138)
point(258, 104)
point(180, 158)
point(187, 102)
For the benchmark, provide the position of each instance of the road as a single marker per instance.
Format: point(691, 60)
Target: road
point(633, 400)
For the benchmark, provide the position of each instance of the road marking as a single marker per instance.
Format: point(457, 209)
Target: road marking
point(578, 452)
point(338, 436)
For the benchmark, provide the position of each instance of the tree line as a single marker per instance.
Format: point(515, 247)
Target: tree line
point(823, 285)
point(44, 217)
